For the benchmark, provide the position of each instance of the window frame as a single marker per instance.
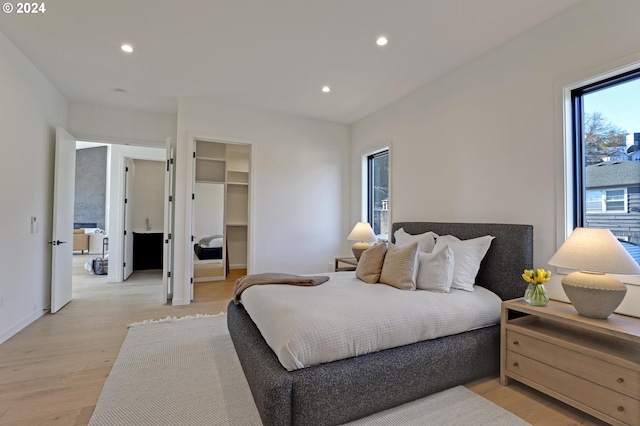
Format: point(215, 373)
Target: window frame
point(579, 212)
point(365, 205)
point(370, 201)
point(569, 199)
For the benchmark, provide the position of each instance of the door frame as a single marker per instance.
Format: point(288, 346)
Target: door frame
point(119, 156)
point(189, 171)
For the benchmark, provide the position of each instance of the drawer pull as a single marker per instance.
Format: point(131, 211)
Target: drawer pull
point(516, 343)
point(621, 408)
point(620, 380)
point(515, 364)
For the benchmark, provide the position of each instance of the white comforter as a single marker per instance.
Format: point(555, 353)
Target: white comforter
point(346, 317)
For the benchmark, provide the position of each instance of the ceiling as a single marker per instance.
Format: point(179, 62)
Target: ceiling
point(273, 55)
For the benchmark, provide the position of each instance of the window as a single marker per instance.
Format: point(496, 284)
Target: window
point(606, 148)
point(606, 200)
point(378, 193)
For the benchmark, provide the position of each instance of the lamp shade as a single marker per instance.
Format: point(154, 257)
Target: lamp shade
point(594, 250)
point(362, 232)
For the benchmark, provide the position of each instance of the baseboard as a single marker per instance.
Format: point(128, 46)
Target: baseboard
point(207, 279)
point(12, 331)
point(181, 301)
point(238, 266)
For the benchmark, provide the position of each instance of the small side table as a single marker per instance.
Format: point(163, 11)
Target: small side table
point(352, 262)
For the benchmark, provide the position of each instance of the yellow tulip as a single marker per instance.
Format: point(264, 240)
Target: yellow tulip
point(536, 276)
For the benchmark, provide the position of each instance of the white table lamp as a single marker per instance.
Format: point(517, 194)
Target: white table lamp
point(364, 235)
point(594, 253)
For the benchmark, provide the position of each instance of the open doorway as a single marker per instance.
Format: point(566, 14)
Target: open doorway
point(119, 193)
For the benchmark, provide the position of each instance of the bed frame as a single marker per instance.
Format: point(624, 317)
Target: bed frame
point(348, 389)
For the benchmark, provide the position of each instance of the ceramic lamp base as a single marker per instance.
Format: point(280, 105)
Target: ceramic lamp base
point(594, 295)
point(358, 248)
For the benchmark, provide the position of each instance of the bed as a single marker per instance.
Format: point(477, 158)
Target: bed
point(209, 247)
point(344, 390)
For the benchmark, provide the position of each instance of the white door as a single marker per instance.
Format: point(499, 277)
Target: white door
point(129, 176)
point(167, 263)
point(193, 206)
point(62, 237)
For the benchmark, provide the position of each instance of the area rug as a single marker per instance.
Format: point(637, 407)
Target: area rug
point(184, 371)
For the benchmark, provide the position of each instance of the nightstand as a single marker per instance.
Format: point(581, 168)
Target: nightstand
point(590, 364)
point(352, 262)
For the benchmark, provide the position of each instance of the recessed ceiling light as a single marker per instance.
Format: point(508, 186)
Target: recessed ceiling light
point(326, 89)
point(127, 48)
point(382, 41)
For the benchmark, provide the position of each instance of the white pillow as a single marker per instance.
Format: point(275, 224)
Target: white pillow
point(426, 241)
point(467, 255)
point(435, 271)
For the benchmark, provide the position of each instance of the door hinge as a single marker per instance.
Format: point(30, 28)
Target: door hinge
point(125, 232)
point(193, 196)
point(124, 265)
point(169, 236)
point(126, 169)
point(191, 280)
point(168, 274)
point(193, 238)
point(194, 154)
point(168, 165)
point(170, 198)
point(126, 201)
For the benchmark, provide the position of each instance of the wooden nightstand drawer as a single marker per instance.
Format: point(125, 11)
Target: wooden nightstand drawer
point(605, 373)
point(578, 391)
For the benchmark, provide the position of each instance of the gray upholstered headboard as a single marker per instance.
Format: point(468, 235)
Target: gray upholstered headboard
point(510, 253)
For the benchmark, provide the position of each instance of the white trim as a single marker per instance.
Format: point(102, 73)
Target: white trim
point(14, 329)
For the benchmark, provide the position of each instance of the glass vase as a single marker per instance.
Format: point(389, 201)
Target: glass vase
point(536, 295)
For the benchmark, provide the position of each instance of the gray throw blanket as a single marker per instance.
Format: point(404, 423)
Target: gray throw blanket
point(247, 281)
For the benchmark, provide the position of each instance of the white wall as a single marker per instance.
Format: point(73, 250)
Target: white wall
point(484, 143)
point(299, 183)
point(97, 123)
point(148, 195)
point(30, 109)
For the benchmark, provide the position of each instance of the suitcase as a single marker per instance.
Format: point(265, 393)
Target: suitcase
point(100, 266)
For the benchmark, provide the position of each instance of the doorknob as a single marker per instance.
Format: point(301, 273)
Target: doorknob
point(57, 242)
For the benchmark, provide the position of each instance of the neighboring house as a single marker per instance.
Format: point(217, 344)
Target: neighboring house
point(613, 198)
point(619, 155)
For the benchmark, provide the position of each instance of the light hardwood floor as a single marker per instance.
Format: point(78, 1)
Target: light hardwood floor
point(52, 372)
